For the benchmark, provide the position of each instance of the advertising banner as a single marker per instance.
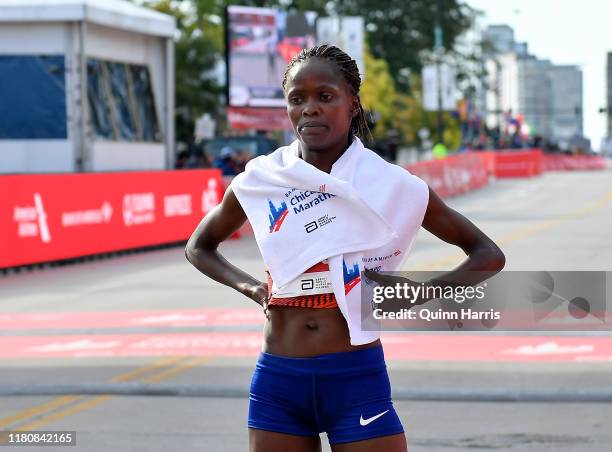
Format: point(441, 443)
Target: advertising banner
point(438, 82)
point(452, 175)
point(346, 33)
point(574, 162)
point(261, 41)
point(526, 163)
point(61, 216)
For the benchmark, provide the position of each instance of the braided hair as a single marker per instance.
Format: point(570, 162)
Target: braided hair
point(349, 70)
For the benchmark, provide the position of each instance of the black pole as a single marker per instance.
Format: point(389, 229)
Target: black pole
point(438, 50)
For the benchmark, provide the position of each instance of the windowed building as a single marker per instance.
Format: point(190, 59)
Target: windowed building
point(85, 85)
point(547, 96)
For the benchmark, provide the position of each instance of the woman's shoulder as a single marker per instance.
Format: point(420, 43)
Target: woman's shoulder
point(376, 164)
point(373, 170)
point(261, 164)
point(263, 160)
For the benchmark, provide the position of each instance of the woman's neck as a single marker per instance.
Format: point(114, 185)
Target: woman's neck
point(323, 159)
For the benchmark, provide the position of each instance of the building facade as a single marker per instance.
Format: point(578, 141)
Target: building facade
point(547, 96)
point(86, 86)
point(566, 119)
point(609, 94)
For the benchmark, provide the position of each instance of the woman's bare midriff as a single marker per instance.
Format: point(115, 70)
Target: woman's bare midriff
point(307, 332)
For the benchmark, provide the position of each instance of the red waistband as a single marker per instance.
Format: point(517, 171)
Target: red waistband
point(327, 300)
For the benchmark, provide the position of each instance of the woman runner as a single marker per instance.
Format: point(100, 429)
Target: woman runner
point(309, 377)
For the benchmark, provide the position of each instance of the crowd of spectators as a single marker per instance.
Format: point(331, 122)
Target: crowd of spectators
point(230, 161)
point(493, 138)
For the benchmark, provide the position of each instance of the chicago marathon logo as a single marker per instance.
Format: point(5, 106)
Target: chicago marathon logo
point(301, 201)
point(352, 276)
point(277, 215)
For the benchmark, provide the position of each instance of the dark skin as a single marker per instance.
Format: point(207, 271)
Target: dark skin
point(320, 105)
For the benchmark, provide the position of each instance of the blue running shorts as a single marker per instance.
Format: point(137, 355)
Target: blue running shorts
point(346, 394)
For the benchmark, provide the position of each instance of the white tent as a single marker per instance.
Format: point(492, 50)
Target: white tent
point(112, 57)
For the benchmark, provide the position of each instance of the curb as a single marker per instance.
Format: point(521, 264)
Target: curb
point(236, 391)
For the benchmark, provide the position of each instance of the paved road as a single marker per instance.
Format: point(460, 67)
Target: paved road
point(147, 321)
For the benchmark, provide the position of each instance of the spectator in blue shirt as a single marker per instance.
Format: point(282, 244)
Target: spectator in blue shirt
point(225, 162)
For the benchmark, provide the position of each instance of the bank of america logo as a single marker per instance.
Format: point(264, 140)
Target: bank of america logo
point(352, 276)
point(277, 215)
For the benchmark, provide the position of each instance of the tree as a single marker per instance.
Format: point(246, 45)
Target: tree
point(397, 31)
point(378, 93)
point(410, 117)
point(399, 38)
point(404, 29)
point(199, 53)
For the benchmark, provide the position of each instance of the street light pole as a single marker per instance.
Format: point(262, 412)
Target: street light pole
point(339, 11)
point(438, 49)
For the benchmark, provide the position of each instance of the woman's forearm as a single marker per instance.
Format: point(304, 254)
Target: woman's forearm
point(215, 266)
point(201, 250)
point(481, 264)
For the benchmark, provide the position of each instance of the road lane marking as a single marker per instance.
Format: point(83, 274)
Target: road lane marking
point(522, 233)
point(31, 412)
point(64, 401)
point(98, 400)
point(73, 409)
point(129, 320)
point(136, 373)
point(169, 373)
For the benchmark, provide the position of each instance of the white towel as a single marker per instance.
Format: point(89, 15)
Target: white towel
point(365, 213)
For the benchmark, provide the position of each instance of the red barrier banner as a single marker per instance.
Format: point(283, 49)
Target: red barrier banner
point(452, 175)
point(574, 162)
point(60, 216)
point(518, 163)
point(488, 160)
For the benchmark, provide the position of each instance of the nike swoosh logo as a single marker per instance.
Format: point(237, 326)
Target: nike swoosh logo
point(363, 422)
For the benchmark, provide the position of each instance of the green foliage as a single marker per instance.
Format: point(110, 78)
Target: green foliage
point(410, 117)
point(378, 93)
point(399, 31)
point(198, 49)
point(399, 34)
